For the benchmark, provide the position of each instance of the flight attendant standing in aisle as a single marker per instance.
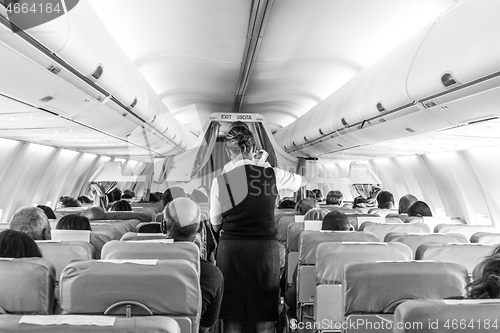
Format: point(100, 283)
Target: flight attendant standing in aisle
point(242, 207)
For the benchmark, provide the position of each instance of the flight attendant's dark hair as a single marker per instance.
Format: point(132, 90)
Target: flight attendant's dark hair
point(240, 140)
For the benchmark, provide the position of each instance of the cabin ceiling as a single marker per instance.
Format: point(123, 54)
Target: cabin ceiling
point(192, 52)
point(277, 58)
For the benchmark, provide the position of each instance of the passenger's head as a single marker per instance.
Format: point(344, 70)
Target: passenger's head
point(240, 141)
point(385, 200)
point(487, 285)
point(286, 204)
point(48, 211)
point(149, 228)
point(84, 199)
point(17, 244)
point(128, 192)
point(336, 221)
point(73, 222)
point(173, 193)
point(121, 206)
point(317, 194)
point(94, 213)
point(116, 195)
point(334, 197)
point(198, 196)
point(238, 124)
point(32, 221)
point(315, 214)
point(66, 201)
point(305, 204)
point(182, 219)
point(405, 202)
point(127, 196)
point(419, 208)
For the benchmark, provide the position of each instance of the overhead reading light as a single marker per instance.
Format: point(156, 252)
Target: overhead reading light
point(46, 99)
point(343, 122)
point(448, 80)
point(410, 130)
point(134, 103)
point(98, 72)
point(380, 107)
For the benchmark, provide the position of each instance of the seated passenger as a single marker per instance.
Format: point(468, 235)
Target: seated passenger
point(17, 244)
point(315, 214)
point(169, 195)
point(48, 211)
point(405, 202)
point(94, 213)
point(487, 284)
point(334, 199)
point(199, 197)
point(127, 196)
point(419, 209)
point(32, 221)
point(128, 192)
point(287, 204)
point(317, 194)
point(368, 198)
point(78, 222)
point(85, 199)
point(121, 206)
point(65, 202)
point(149, 228)
point(385, 200)
point(182, 222)
point(335, 221)
point(305, 204)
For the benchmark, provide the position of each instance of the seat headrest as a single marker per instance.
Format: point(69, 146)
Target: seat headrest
point(415, 240)
point(372, 287)
point(382, 229)
point(309, 241)
point(166, 287)
point(332, 257)
point(27, 286)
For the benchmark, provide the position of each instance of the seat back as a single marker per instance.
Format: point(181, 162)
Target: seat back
point(309, 241)
point(130, 236)
point(492, 238)
point(27, 286)
point(142, 217)
point(465, 229)
point(415, 240)
point(149, 250)
point(109, 229)
point(60, 254)
point(292, 236)
point(80, 323)
point(382, 229)
point(432, 221)
point(468, 255)
point(332, 257)
point(283, 223)
point(157, 287)
point(356, 220)
point(378, 287)
point(441, 316)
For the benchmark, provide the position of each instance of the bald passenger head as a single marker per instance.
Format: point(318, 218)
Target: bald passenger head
point(32, 221)
point(94, 213)
point(182, 218)
point(405, 202)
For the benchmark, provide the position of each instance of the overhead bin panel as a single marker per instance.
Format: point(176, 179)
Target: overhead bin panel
point(462, 46)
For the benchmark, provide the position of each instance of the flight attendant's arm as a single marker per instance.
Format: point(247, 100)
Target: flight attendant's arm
point(289, 180)
point(215, 207)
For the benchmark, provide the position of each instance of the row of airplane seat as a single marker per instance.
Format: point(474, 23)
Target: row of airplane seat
point(108, 287)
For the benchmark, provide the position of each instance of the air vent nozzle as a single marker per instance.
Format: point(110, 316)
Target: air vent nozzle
point(47, 99)
point(98, 72)
point(343, 122)
point(134, 103)
point(380, 107)
point(448, 80)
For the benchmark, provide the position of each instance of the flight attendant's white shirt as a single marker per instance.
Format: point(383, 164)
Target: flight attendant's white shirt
point(230, 166)
point(284, 180)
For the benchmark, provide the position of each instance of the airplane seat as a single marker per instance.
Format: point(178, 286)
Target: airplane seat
point(331, 258)
point(155, 225)
point(27, 286)
point(158, 217)
point(60, 253)
point(468, 255)
point(356, 220)
point(402, 217)
point(373, 290)
point(145, 210)
point(292, 249)
point(306, 272)
point(441, 316)
point(432, 221)
point(139, 287)
point(465, 229)
point(382, 212)
point(415, 240)
point(137, 236)
point(109, 228)
point(81, 324)
point(395, 219)
point(98, 240)
point(119, 250)
point(382, 229)
point(279, 213)
point(485, 238)
point(142, 217)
